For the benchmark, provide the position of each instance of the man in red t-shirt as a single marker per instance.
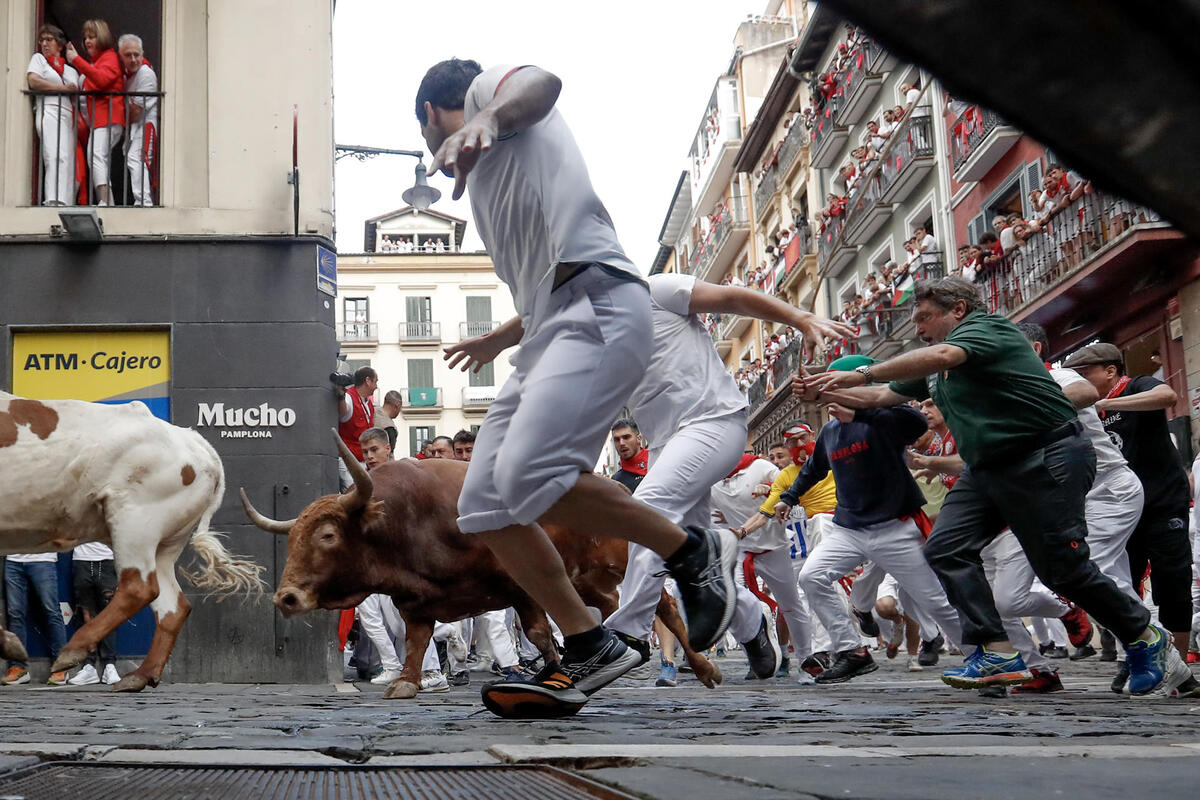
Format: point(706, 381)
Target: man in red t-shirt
point(356, 415)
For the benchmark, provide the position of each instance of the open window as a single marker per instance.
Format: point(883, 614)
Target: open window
point(101, 146)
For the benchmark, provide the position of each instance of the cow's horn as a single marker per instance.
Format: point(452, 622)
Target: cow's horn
point(266, 523)
point(357, 497)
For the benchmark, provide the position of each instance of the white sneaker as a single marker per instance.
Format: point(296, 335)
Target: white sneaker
point(455, 646)
point(85, 677)
point(914, 665)
point(111, 675)
point(432, 680)
point(386, 677)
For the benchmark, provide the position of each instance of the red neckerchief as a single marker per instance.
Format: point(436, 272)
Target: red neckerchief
point(1052, 190)
point(57, 63)
point(1063, 183)
point(638, 464)
point(1116, 390)
point(746, 460)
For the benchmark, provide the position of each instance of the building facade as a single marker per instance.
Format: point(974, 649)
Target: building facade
point(227, 270)
point(398, 309)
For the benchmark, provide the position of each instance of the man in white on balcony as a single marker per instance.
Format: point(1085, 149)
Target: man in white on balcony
point(141, 146)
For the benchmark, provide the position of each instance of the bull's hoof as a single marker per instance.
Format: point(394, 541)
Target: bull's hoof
point(11, 647)
point(131, 683)
point(69, 657)
point(400, 690)
point(707, 672)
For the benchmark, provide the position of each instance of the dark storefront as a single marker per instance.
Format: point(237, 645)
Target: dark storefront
point(251, 344)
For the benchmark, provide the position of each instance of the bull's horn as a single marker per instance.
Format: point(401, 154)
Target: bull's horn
point(266, 523)
point(357, 497)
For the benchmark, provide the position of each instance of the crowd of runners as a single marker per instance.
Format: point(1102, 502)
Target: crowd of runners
point(1041, 516)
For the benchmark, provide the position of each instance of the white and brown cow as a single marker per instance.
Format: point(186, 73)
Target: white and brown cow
point(74, 472)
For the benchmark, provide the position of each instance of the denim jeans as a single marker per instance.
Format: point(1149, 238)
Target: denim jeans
point(41, 579)
point(1041, 498)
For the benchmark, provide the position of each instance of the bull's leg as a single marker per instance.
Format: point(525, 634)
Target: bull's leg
point(135, 589)
point(537, 630)
point(706, 672)
point(417, 633)
point(171, 609)
point(11, 647)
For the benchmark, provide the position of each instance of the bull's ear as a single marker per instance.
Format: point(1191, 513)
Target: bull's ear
point(372, 516)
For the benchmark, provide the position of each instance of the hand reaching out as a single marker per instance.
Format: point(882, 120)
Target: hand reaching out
point(462, 150)
point(473, 352)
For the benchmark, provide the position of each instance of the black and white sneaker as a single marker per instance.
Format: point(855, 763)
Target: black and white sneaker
point(591, 672)
point(703, 571)
point(849, 664)
point(763, 651)
point(930, 651)
point(866, 622)
point(548, 695)
point(641, 647)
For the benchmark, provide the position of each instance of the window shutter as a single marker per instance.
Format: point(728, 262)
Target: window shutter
point(479, 309)
point(485, 377)
point(418, 309)
point(414, 440)
point(977, 228)
point(420, 373)
point(1033, 180)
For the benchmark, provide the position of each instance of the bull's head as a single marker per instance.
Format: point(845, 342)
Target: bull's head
point(326, 551)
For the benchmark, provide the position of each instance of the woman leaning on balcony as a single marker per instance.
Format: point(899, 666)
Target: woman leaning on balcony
point(54, 115)
point(105, 114)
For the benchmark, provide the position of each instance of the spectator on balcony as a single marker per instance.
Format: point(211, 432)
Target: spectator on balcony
point(1070, 184)
point(141, 144)
point(992, 251)
point(849, 176)
point(1004, 233)
point(898, 114)
point(105, 114)
point(912, 92)
point(54, 115)
point(876, 138)
point(889, 123)
point(927, 246)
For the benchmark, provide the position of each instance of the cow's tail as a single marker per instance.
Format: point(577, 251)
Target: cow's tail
point(220, 572)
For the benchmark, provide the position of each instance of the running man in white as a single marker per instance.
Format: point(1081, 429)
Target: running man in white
point(583, 326)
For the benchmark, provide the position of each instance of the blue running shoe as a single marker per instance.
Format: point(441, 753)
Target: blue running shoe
point(666, 675)
point(985, 668)
point(1155, 666)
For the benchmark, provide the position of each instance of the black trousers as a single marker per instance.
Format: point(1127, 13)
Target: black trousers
point(1161, 542)
point(94, 583)
point(1040, 497)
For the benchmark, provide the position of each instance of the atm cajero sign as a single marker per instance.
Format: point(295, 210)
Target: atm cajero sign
point(254, 422)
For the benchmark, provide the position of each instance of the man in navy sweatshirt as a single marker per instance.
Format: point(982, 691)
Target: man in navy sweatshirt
point(878, 518)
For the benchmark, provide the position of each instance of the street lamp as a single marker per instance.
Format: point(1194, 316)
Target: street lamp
point(421, 196)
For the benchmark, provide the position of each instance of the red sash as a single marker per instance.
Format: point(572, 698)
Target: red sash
point(752, 582)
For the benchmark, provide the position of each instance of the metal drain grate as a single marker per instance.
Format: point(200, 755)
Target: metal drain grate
point(59, 781)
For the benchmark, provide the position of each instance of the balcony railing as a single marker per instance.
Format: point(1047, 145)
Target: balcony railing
point(419, 397)
point(733, 215)
point(826, 121)
point(777, 377)
point(1065, 244)
point(77, 163)
point(358, 332)
point(889, 318)
point(420, 331)
point(765, 191)
point(479, 396)
point(970, 130)
point(793, 143)
point(830, 239)
point(469, 330)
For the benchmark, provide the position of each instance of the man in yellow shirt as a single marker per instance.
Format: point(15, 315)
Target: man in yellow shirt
point(790, 457)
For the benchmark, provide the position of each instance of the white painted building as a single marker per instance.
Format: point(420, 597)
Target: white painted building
point(397, 310)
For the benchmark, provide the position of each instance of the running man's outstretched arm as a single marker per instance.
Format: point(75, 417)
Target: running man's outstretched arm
point(711, 298)
point(877, 396)
point(524, 97)
point(480, 350)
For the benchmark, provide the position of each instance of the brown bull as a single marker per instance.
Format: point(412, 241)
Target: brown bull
point(396, 533)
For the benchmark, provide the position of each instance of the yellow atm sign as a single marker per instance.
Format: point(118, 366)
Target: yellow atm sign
point(98, 366)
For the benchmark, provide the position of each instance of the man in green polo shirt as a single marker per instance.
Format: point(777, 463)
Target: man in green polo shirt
point(1029, 467)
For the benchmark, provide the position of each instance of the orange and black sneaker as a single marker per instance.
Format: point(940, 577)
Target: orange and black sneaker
point(550, 694)
point(15, 675)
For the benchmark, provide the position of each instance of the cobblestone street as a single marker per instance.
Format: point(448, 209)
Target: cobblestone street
point(891, 734)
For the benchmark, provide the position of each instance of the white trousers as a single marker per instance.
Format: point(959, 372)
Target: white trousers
point(1113, 508)
point(678, 485)
point(774, 567)
point(1050, 631)
point(99, 152)
point(867, 589)
point(381, 622)
point(896, 547)
point(492, 626)
point(1005, 565)
point(139, 175)
point(549, 422)
point(56, 134)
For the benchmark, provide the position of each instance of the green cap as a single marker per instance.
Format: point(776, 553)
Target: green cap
point(850, 363)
